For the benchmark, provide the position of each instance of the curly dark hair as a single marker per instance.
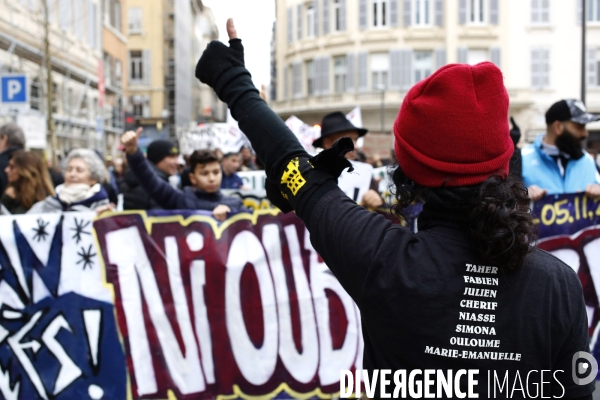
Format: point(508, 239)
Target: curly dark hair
point(499, 220)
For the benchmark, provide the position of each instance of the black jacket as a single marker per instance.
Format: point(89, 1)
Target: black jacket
point(4, 159)
point(134, 195)
point(422, 295)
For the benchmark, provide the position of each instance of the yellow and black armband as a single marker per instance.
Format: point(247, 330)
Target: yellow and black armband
point(302, 176)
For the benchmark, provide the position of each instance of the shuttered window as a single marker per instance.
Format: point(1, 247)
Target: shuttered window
point(591, 66)
point(362, 14)
point(290, 28)
point(64, 15)
point(310, 77)
point(495, 56)
point(362, 72)
point(299, 21)
point(286, 83)
point(440, 58)
point(394, 13)
point(315, 22)
point(540, 68)
point(395, 70)
point(350, 87)
point(494, 17)
point(439, 12)
point(406, 13)
point(463, 52)
point(406, 70)
point(540, 11)
point(297, 79)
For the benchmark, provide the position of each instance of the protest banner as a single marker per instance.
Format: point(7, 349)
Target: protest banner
point(569, 228)
point(176, 305)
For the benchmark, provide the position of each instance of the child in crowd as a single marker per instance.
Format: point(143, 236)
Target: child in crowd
point(205, 176)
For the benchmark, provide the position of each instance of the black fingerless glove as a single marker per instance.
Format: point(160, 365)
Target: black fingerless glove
point(217, 59)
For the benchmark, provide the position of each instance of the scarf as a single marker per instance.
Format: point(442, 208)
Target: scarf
point(76, 193)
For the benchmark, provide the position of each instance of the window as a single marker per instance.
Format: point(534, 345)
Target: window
point(593, 10)
point(422, 14)
point(310, 77)
point(135, 20)
point(540, 68)
point(380, 65)
point(422, 65)
point(337, 15)
point(118, 81)
point(476, 11)
point(64, 15)
point(540, 11)
point(310, 21)
point(476, 56)
point(138, 106)
point(340, 70)
point(92, 25)
point(107, 69)
point(137, 66)
point(380, 13)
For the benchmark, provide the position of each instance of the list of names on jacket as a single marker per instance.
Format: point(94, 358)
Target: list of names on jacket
point(477, 316)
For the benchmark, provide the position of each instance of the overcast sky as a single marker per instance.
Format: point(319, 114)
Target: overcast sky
point(254, 23)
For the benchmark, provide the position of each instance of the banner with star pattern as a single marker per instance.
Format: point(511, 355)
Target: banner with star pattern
point(177, 305)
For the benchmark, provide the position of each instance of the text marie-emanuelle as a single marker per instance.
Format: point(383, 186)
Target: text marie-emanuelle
point(476, 317)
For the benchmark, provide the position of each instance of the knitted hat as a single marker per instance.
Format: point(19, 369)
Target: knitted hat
point(452, 128)
point(159, 149)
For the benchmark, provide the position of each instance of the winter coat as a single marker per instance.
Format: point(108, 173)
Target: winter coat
point(135, 196)
point(53, 204)
point(172, 199)
point(541, 170)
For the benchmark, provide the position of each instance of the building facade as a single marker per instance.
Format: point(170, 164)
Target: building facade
point(76, 54)
point(337, 54)
point(114, 71)
point(165, 39)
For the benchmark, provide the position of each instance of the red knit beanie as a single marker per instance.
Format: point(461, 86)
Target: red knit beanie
point(452, 128)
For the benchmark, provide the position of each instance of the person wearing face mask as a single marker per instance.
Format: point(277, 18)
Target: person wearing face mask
point(556, 162)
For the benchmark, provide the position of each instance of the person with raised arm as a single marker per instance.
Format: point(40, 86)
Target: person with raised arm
point(205, 176)
point(469, 291)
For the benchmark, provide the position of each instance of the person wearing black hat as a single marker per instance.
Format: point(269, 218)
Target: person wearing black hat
point(556, 162)
point(335, 126)
point(162, 155)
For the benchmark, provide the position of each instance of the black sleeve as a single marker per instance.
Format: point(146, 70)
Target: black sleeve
point(294, 179)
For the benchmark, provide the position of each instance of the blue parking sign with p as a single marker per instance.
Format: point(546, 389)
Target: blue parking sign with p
point(14, 89)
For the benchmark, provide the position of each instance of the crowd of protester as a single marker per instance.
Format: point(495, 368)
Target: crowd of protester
point(164, 179)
